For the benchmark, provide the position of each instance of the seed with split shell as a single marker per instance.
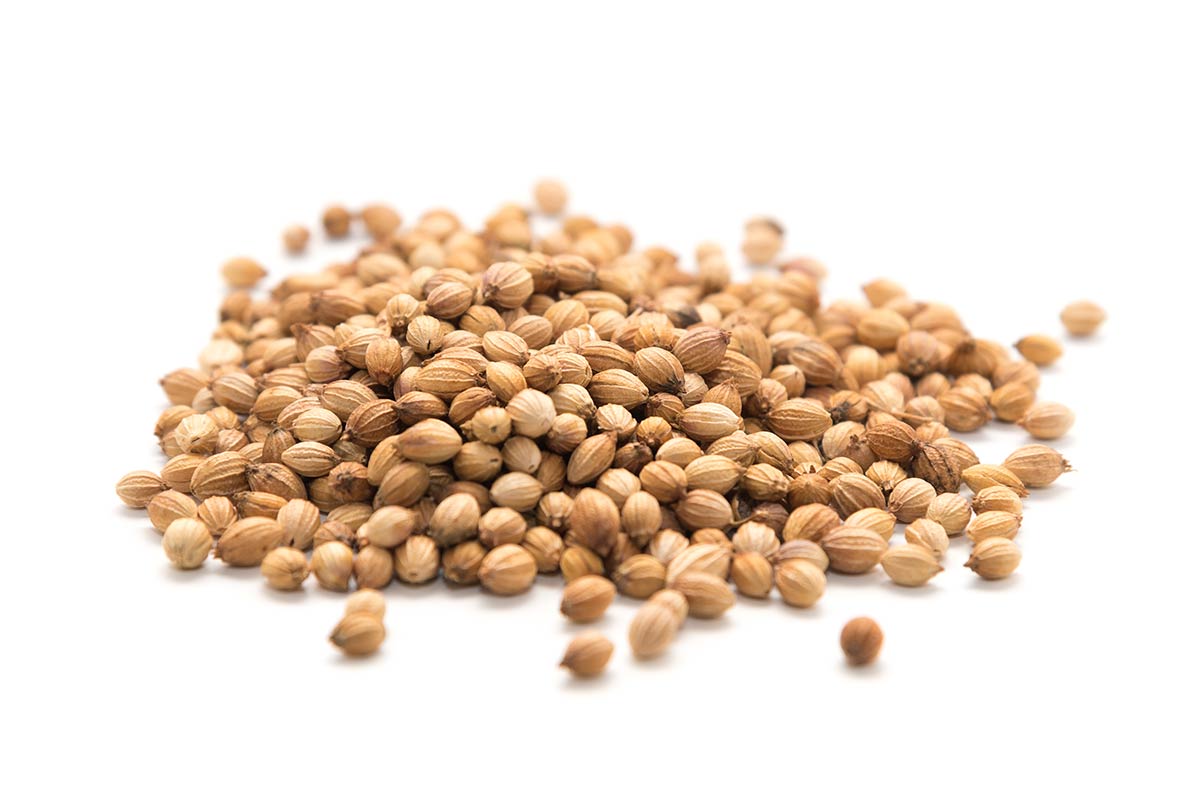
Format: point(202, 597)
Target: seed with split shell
point(928, 534)
point(1037, 465)
point(936, 466)
point(993, 523)
point(994, 558)
point(285, 568)
point(892, 441)
point(508, 570)
point(853, 550)
point(910, 564)
point(358, 634)
point(587, 654)
point(187, 543)
point(1048, 420)
point(586, 598)
point(800, 582)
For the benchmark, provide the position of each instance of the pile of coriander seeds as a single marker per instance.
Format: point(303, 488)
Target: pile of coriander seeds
point(484, 405)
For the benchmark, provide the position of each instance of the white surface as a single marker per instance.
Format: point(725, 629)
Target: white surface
point(1006, 161)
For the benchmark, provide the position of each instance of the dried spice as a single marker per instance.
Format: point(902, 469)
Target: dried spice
point(490, 403)
point(861, 641)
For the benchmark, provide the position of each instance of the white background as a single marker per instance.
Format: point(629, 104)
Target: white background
point(1006, 160)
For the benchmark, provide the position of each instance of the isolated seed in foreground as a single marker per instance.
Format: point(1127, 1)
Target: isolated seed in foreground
point(861, 641)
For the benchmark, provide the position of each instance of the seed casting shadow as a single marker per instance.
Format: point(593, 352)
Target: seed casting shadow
point(585, 685)
point(995, 586)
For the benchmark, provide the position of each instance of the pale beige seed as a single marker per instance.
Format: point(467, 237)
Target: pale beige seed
point(333, 565)
point(994, 558)
point(137, 489)
point(587, 655)
point(881, 521)
point(708, 421)
point(168, 506)
point(586, 598)
point(708, 596)
point(994, 523)
point(910, 564)
point(711, 558)
point(366, 600)
point(358, 634)
point(929, 534)
point(640, 576)
point(416, 560)
point(812, 521)
point(187, 543)
point(910, 499)
point(753, 574)
point(508, 570)
point(248, 541)
point(951, 511)
point(1082, 318)
point(1039, 349)
point(1037, 465)
point(285, 568)
point(852, 550)
point(984, 475)
point(802, 549)
point(654, 626)
point(997, 497)
point(1048, 420)
point(800, 583)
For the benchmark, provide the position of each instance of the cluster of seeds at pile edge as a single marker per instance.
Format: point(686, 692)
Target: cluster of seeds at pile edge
point(487, 405)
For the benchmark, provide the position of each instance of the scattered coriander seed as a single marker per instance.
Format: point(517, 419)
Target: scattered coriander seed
point(910, 564)
point(358, 634)
point(994, 558)
point(861, 641)
point(366, 600)
point(587, 655)
point(1082, 318)
point(295, 239)
point(492, 402)
point(1039, 349)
